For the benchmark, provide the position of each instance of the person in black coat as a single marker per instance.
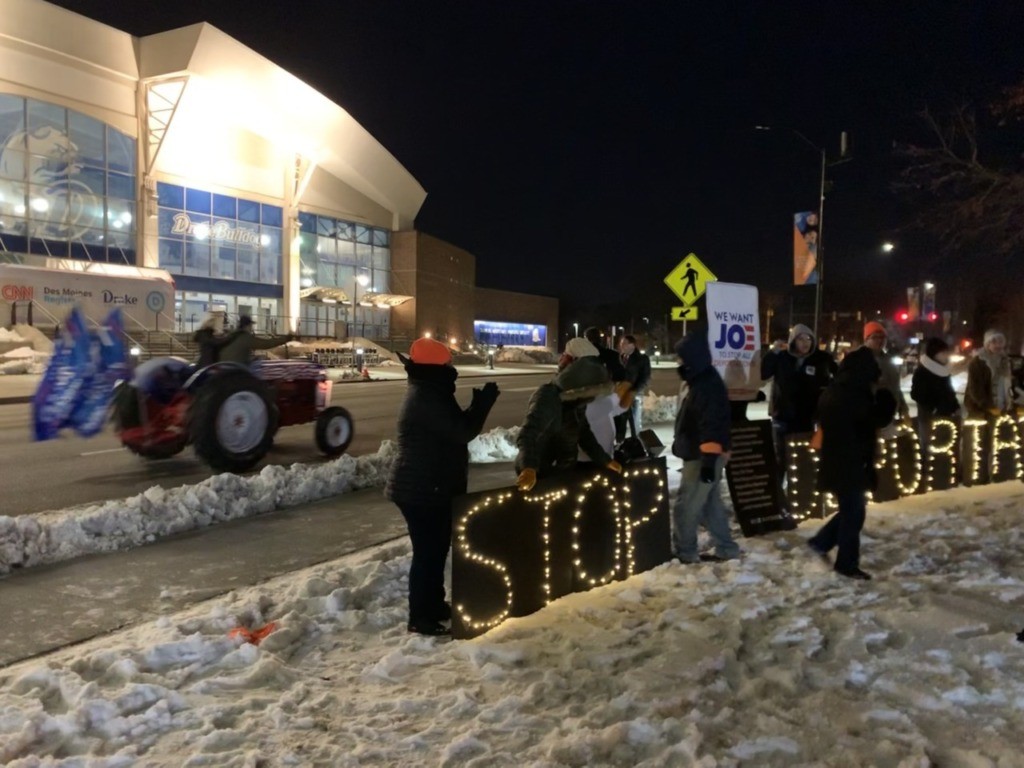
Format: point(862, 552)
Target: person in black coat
point(931, 386)
point(609, 357)
point(637, 366)
point(430, 469)
point(702, 441)
point(799, 373)
point(850, 412)
point(210, 340)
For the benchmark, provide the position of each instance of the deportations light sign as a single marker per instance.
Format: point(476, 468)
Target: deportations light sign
point(513, 553)
point(734, 337)
point(978, 451)
point(510, 334)
point(805, 248)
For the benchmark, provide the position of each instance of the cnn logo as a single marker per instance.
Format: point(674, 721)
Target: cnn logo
point(16, 292)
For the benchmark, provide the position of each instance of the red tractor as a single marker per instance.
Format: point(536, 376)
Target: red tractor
point(228, 412)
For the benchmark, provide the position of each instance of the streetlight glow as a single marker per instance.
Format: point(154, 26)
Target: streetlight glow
point(888, 247)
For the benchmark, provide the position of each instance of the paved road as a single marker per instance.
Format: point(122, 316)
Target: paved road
point(71, 471)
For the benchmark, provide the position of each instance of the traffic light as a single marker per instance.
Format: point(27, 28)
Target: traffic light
point(932, 317)
point(902, 316)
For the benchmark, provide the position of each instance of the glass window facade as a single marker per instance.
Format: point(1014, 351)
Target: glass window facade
point(67, 184)
point(336, 253)
point(224, 251)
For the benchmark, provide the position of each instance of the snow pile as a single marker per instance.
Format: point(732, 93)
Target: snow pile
point(39, 341)
point(10, 337)
point(23, 360)
point(769, 661)
point(533, 355)
point(497, 445)
point(659, 409)
point(29, 540)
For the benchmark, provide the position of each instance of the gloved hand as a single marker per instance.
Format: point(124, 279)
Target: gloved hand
point(707, 468)
point(527, 479)
point(484, 398)
point(614, 466)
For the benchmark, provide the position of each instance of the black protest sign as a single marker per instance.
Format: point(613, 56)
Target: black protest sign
point(514, 552)
point(753, 477)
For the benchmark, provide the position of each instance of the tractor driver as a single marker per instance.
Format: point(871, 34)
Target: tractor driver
point(242, 343)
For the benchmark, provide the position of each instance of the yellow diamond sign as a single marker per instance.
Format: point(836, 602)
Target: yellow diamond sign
point(689, 279)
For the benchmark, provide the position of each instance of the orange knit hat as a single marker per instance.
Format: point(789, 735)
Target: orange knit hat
point(429, 352)
point(872, 328)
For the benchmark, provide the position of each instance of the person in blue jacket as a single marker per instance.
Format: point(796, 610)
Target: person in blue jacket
point(702, 442)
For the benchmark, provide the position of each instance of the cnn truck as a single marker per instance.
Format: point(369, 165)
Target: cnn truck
point(43, 297)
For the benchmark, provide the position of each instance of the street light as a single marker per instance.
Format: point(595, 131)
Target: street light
point(821, 214)
point(575, 329)
point(888, 247)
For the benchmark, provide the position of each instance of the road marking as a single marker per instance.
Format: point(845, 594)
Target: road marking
point(97, 453)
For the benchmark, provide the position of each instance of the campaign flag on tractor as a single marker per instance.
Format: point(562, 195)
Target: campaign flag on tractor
point(733, 335)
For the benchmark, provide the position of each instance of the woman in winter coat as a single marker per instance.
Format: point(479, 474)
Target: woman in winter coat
point(556, 427)
point(431, 468)
point(989, 379)
point(932, 387)
point(849, 413)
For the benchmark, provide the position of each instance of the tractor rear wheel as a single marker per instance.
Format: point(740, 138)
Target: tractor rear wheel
point(231, 422)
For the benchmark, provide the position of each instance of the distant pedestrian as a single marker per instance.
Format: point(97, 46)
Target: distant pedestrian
point(849, 412)
point(556, 427)
point(799, 373)
point(431, 468)
point(931, 385)
point(990, 388)
point(876, 338)
point(637, 366)
point(702, 441)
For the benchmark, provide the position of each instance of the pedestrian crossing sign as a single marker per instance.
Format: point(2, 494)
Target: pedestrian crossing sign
point(689, 280)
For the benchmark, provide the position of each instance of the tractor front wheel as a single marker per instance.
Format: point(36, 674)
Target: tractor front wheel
point(334, 431)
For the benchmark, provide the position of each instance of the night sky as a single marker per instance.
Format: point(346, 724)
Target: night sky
point(580, 148)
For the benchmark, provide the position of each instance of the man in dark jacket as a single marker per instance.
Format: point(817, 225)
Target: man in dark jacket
point(556, 425)
point(609, 357)
point(850, 412)
point(430, 469)
point(702, 442)
point(799, 373)
point(637, 366)
point(240, 345)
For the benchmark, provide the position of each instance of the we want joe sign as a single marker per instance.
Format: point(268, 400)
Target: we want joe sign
point(734, 337)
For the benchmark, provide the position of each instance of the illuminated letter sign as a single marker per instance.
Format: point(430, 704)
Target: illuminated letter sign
point(513, 553)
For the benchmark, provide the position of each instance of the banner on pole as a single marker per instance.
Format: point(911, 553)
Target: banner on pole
point(805, 248)
point(928, 301)
point(913, 303)
point(734, 337)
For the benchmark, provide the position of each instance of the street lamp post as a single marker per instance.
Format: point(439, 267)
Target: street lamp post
point(575, 329)
point(819, 286)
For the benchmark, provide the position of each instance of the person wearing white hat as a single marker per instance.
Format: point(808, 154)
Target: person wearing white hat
point(989, 379)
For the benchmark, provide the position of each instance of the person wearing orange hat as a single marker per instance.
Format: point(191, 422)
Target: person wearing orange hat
point(875, 338)
point(431, 468)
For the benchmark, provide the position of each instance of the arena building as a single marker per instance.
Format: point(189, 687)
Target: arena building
point(188, 152)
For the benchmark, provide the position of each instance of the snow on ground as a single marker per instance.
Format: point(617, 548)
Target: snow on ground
point(768, 661)
point(9, 336)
